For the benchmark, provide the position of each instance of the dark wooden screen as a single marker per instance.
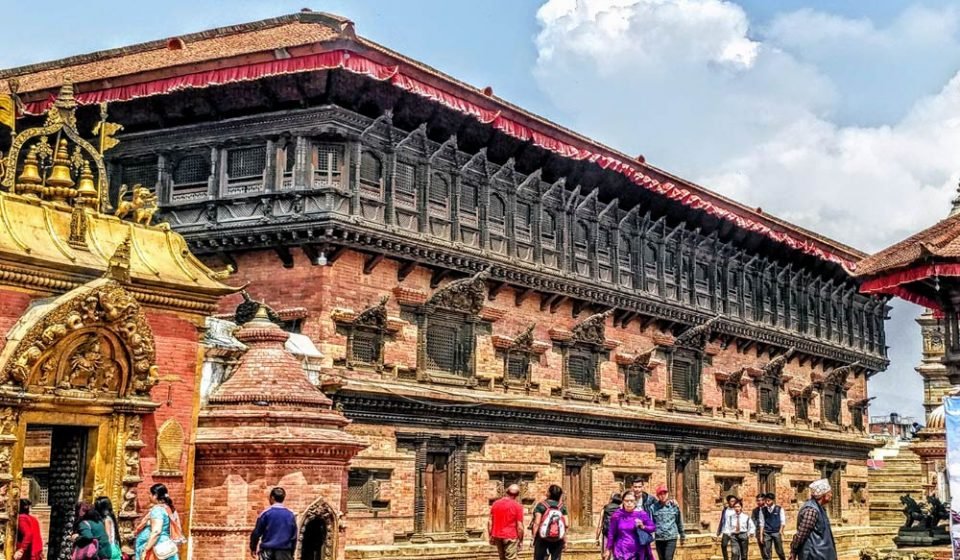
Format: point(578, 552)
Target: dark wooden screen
point(449, 347)
point(365, 346)
point(581, 369)
point(437, 482)
point(685, 376)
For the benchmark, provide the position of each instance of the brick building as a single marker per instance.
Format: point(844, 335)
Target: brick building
point(496, 299)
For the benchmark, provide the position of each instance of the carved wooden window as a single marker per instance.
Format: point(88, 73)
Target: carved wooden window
point(143, 172)
point(833, 471)
point(548, 229)
point(498, 211)
point(517, 366)
point(685, 369)
point(190, 176)
point(582, 368)
point(244, 169)
point(651, 265)
point(731, 394)
point(766, 478)
point(439, 194)
point(327, 160)
point(522, 221)
point(366, 346)
point(727, 486)
point(605, 244)
point(670, 272)
point(733, 292)
point(635, 379)
point(469, 198)
point(748, 296)
point(836, 328)
point(831, 399)
point(768, 393)
point(624, 481)
point(801, 491)
point(504, 479)
point(856, 417)
point(371, 174)
point(367, 490)
point(405, 187)
point(449, 345)
point(701, 278)
point(858, 495)
point(802, 405)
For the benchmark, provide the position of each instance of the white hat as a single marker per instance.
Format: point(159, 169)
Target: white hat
point(819, 487)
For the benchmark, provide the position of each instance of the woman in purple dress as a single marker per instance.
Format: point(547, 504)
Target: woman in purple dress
point(624, 538)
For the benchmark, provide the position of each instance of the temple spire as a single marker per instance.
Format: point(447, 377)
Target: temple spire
point(955, 203)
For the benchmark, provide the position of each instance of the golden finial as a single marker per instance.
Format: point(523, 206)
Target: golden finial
point(87, 192)
point(30, 176)
point(65, 99)
point(119, 266)
point(59, 184)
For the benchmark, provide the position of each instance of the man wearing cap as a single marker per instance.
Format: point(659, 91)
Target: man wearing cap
point(669, 521)
point(506, 524)
point(814, 538)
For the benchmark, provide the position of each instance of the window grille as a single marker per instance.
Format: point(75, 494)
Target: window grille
point(468, 197)
point(405, 192)
point(190, 176)
point(439, 190)
point(685, 377)
point(731, 393)
point(802, 405)
point(497, 212)
point(518, 366)
point(143, 172)
point(831, 405)
point(371, 174)
point(364, 489)
point(768, 398)
point(626, 252)
point(548, 227)
point(245, 168)
point(581, 235)
point(636, 381)
point(365, 347)
point(581, 370)
point(289, 156)
point(449, 347)
point(327, 164)
point(522, 220)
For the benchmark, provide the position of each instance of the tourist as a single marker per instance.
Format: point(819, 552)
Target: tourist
point(505, 525)
point(158, 530)
point(549, 526)
point(755, 516)
point(90, 539)
point(275, 535)
point(29, 539)
point(814, 538)
point(644, 501)
point(602, 527)
point(669, 522)
point(723, 536)
point(738, 528)
point(631, 532)
point(104, 507)
point(772, 522)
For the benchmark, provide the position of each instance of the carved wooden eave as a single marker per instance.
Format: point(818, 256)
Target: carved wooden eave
point(592, 330)
point(775, 366)
point(805, 392)
point(698, 336)
point(643, 360)
point(464, 296)
point(523, 342)
point(861, 404)
point(739, 377)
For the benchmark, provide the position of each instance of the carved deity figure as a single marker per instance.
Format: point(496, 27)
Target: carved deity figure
point(143, 204)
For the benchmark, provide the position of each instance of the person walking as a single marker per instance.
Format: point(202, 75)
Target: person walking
point(755, 516)
point(159, 530)
point(814, 537)
point(721, 534)
point(773, 520)
point(104, 507)
point(90, 533)
point(738, 528)
point(549, 526)
point(505, 526)
point(275, 535)
point(29, 539)
point(631, 532)
point(669, 522)
point(603, 527)
point(644, 501)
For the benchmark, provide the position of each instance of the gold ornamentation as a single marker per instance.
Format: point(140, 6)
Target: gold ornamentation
point(143, 205)
point(131, 459)
point(119, 266)
point(169, 447)
point(95, 338)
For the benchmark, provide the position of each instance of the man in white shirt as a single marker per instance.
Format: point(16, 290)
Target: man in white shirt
point(773, 520)
point(739, 528)
point(725, 516)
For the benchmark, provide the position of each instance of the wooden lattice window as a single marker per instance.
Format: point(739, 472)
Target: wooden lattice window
point(469, 198)
point(581, 368)
point(548, 228)
point(405, 191)
point(831, 399)
point(366, 346)
point(766, 478)
point(497, 213)
point(327, 160)
point(802, 405)
point(244, 169)
point(731, 394)
point(625, 252)
point(624, 481)
point(635, 379)
point(581, 236)
point(517, 366)
point(366, 489)
point(371, 174)
point(504, 479)
point(439, 194)
point(768, 393)
point(190, 175)
point(727, 486)
point(449, 345)
point(142, 172)
point(522, 219)
point(685, 376)
point(856, 415)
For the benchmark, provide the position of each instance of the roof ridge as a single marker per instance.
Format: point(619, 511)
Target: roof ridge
point(330, 20)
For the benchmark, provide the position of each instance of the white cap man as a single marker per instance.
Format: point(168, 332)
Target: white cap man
point(814, 538)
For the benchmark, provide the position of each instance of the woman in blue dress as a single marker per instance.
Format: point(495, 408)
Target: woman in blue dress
point(154, 531)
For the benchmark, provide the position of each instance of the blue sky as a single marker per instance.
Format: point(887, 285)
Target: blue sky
point(843, 117)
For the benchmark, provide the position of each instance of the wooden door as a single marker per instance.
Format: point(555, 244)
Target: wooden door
point(573, 495)
point(436, 478)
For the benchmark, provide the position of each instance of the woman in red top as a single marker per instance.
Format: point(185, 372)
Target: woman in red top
point(29, 541)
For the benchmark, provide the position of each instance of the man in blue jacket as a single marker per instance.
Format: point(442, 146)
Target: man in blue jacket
point(275, 536)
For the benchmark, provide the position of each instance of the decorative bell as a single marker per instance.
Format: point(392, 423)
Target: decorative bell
point(60, 174)
point(86, 190)
point(31, 170)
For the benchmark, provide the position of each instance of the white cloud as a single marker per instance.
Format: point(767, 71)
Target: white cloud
point(833, 123)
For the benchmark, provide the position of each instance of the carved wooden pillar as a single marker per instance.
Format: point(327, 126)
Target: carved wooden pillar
point(128, 464)
point(459, 521)
point(419, 495)
point(214, 182)
point(302, 165)
point(270, 169)
point(455, 206)
point(389, 184)
point(353, 175)
point(10, 431)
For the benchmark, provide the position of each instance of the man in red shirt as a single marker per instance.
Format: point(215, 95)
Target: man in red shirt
point(29, 541)
point(506, 524)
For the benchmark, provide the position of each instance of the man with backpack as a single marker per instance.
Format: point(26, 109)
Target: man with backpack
point(549, 526)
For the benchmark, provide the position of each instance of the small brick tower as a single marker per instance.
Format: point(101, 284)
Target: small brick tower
point(267, 426)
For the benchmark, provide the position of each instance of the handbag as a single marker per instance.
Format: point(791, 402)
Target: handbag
point(164, 549)
point(86, 552)
point(643, 538)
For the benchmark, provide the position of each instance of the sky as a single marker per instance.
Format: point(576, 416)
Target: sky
point(843, 117)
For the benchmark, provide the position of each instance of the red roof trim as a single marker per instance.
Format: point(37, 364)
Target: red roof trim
point(360, 64)
point(893, 284)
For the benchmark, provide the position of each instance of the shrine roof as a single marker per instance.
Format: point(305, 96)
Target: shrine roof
point(311, 41)
point(939, 242)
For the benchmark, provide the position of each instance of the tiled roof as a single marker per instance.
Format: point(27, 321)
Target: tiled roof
point(215, 44)
point(940, 241)
point(264, 40)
